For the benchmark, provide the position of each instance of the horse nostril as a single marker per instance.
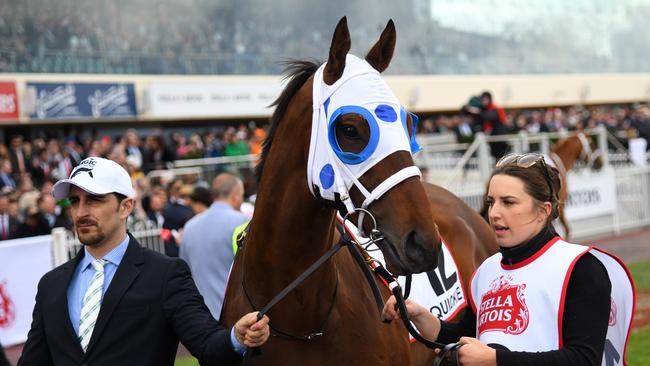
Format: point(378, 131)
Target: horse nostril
point(416, 249)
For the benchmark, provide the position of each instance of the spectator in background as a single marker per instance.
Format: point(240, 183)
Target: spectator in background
point(257, 140)
point(155, 205)
point(236, 143)
point(157, 154)
point(200, 199)
point(490, 119)
point(213, 144)
point(19, 162)
point(175, 215)
point(207, 240)
point(133, 147)
point(47, 208)
point(7, 182)
point(8, 223)
point(34, 224)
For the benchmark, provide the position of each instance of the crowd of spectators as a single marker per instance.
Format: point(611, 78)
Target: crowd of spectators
point(220, 37)
point(615, 118)
point(28, 169)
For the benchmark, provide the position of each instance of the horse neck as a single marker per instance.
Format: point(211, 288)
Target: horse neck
point(290, 230)
point(568, 153)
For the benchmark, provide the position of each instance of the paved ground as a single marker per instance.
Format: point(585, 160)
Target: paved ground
point(630, 247)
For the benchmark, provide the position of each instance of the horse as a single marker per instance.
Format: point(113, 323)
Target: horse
point(563, 156)
point(328, 319)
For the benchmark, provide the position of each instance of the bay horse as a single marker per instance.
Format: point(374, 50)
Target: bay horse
point(329, 319)
point(563, 156)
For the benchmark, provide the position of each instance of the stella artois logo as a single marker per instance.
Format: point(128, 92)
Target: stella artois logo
point(503, 308)
point(7, 311)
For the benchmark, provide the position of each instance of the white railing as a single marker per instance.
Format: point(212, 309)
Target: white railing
point(464, 169)
point(66, 245)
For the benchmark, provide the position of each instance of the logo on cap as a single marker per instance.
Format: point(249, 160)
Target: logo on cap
point(86, 165)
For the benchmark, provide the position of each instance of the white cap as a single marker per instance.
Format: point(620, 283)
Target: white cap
point(96, 176)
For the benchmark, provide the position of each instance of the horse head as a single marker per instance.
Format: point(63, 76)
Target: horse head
point(360, 155)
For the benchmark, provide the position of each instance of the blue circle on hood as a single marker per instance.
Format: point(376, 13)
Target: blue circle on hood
point(386, 113)
point(327, 176)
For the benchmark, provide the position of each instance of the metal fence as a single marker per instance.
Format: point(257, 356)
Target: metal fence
point(66, 245)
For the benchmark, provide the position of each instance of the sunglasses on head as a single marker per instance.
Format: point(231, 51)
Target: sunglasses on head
point(526, 161)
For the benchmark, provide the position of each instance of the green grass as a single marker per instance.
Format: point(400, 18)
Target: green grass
point(638, 348)
point(641, 274)
point(186, 361)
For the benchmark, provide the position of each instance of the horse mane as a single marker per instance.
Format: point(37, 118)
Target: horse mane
point(297, 71)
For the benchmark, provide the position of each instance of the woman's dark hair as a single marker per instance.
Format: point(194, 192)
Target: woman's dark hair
point(541, 182)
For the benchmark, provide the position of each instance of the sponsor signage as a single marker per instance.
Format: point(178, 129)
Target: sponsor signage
point(222, 99)
point(8, 101)
point(80, 100)
point(18, 286)
point(590, 194)
point(503, 308)
point(440, 290)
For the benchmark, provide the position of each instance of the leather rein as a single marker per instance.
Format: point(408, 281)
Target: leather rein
point(365, 263)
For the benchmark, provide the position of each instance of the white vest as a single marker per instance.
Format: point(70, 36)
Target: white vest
point(521, 306)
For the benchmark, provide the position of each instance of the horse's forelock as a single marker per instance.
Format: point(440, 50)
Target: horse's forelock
point(297, 72)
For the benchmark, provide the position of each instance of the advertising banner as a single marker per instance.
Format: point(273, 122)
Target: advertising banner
point(590, 194)
point(8, 102)
point(22, 264)
point(224, 99)
point(77, 100)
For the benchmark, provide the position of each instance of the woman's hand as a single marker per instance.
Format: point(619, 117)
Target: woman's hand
point(391, 311)
point(475, 353)
point(427, 324)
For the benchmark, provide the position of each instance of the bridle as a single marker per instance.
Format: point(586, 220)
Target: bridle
point(365, 263)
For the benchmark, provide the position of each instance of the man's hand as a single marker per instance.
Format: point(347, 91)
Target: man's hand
point(250, 332)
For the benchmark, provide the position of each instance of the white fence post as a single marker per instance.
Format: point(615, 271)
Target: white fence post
point(602, 144)
point(483, 157)
point(59, 246)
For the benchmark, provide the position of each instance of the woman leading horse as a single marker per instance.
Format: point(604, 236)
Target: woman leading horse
point(540, 300)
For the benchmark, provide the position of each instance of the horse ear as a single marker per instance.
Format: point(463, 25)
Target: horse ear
point(381, 53)
point(338, 51)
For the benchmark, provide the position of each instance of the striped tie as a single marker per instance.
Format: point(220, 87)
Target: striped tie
point(92, 303)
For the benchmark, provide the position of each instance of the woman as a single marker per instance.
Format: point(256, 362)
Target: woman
point(546, 299)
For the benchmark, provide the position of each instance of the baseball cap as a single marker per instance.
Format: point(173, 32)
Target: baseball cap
point(96, 176)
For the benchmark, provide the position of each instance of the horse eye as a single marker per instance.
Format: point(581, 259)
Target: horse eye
point(350, 132)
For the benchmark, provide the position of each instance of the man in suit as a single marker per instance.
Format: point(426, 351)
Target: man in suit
point(8, 223)
point(117, 303)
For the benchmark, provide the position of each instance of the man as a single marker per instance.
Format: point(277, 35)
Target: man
point(117, 303)
point(175, 215)
point(8, 223)
point(491, 119)
point(207, 240)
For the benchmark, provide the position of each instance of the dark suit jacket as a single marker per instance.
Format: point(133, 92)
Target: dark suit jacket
point(176, 215)
point(151, 303)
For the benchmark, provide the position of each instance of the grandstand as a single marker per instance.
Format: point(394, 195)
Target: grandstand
point(225, 37)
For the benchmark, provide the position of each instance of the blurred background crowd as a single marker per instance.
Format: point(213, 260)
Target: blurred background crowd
point(28, 168)
point(231, 37)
